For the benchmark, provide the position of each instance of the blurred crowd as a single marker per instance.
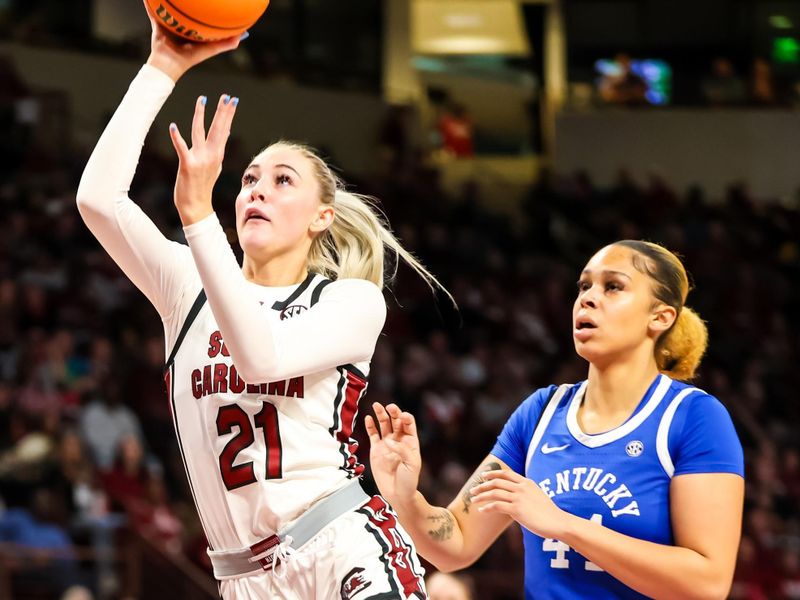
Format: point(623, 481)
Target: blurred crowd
point(87, 451)
point(88, 456)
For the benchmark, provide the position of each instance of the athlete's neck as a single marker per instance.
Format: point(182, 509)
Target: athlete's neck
point(279, 271)
point(614, 390)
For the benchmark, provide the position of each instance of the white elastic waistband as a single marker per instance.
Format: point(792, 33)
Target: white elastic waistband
point(230, 563)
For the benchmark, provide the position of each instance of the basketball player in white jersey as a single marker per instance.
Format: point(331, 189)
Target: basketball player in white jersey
point(267, 360)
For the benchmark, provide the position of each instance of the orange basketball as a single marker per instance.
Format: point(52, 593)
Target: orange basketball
point(207, 20)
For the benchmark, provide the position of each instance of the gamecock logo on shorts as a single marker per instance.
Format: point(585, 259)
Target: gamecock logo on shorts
point(292, 311)
point(354, 583)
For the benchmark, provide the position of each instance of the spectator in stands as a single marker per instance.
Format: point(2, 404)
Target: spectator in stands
point(41, 528)
point(154, 516)
point(126, 482)
point(456, 130)
point(71, 475)
point(105, 422)
point(763, 89)
point(74, 480)
point(25, 462)
point(77, 592)
point(723, 87)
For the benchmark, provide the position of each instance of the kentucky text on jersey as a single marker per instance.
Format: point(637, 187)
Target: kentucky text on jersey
point(595, 480)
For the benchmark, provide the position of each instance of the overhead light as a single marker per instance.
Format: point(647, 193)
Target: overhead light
point(464, 20)
point(469, 27)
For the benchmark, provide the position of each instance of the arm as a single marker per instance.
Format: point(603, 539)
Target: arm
point(343, 326)
point(450, 538)
point(132, 240)
point(706, 512)
point(706, 515)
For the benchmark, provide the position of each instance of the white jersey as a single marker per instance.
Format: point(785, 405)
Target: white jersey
point(264, 382)
point(257, 455)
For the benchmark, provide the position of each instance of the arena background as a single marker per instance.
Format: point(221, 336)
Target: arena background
point(505, 142)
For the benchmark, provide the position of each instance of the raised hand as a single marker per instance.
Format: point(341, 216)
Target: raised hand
point(394, 453)
point(509, 493)
point(174, 55)
point(201, 164)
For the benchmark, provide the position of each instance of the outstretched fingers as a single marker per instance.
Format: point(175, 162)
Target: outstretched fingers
point(403, 423)
point(221, 125)
point(409, 424)
point(384, 421)
point(372, 430)
point(178, 142)
point(198, 122)
point(397, 417)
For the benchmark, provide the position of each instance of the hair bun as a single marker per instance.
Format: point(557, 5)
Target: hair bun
point(683, 346)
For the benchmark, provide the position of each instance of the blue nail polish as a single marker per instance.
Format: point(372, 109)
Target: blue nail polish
point(235, 101)
point(226, 99)
point(245, 35)
point(172, 127)
point(203, 100)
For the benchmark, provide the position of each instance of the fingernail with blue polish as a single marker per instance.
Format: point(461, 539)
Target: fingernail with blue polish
point(226, 99)
point(172, 127)
point(203, 100)
point(245, 35)
point(235, 101)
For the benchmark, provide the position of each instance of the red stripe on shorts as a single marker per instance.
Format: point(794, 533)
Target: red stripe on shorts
point(384, 520)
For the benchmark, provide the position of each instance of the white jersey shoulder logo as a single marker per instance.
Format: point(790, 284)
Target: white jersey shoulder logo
point(550, 449)
point(292, 311)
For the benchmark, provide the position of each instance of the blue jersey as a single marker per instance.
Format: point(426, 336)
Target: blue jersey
point(619, 478)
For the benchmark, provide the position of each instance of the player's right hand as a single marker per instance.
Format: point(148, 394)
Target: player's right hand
point(394, 453)
point(174, 55)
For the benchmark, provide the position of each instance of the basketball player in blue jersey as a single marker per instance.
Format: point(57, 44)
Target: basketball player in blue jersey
point(267, 360)
point(626, 485)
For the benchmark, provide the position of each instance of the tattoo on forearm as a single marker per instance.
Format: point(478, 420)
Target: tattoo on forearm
point(445, 523)
point(477, 479)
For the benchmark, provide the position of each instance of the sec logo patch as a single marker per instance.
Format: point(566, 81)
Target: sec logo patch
point(634, 448)
point(292, 311)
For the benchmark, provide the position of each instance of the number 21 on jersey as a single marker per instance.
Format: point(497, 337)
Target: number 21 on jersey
point(232, 415)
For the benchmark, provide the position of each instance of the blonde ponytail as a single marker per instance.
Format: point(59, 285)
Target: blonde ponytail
point(680, 350)
point(354, 246)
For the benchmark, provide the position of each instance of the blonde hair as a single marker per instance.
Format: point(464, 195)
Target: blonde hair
point(354, 245)
point(680, 349)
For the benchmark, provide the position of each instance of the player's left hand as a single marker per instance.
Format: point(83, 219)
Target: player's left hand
point(201, 165)
point(174, 56)
point(510, 493)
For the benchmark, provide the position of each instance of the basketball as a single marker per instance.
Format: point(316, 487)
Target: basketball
point(207, 20)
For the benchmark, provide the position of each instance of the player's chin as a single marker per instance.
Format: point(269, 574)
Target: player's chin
point(589, 350)
point(255, 241)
